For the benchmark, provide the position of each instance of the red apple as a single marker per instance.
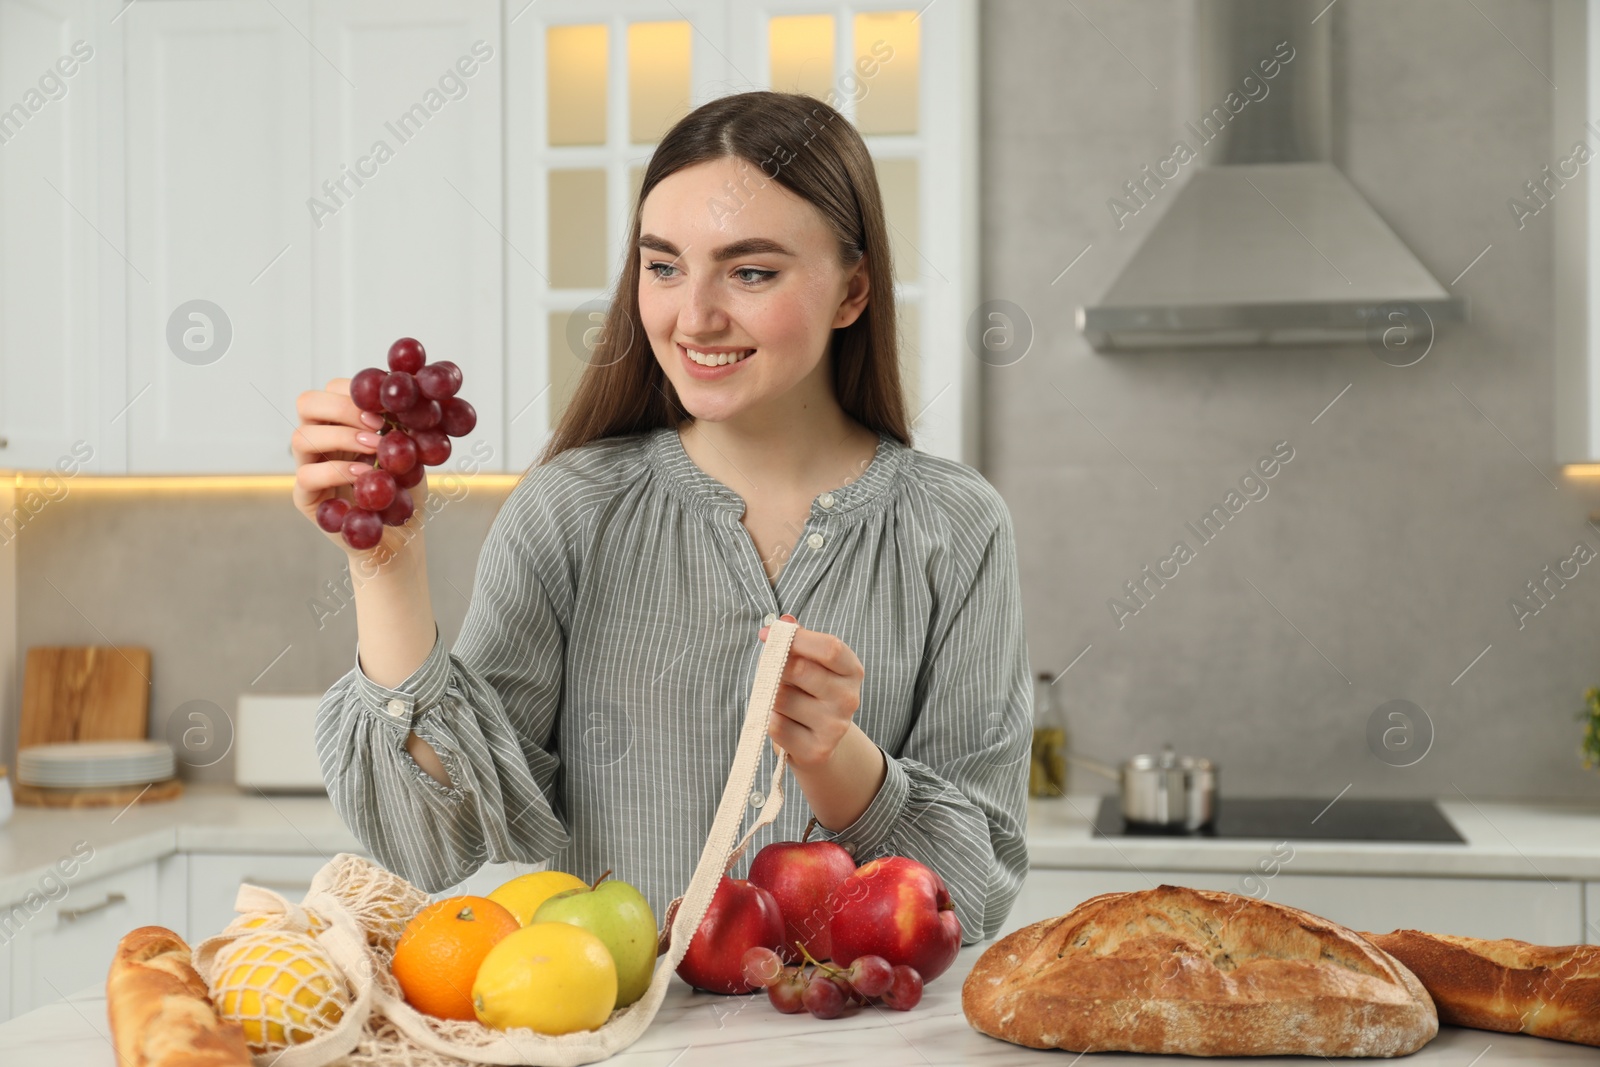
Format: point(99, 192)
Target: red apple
point(741, 916)
point(804, 877)
point(896, 908)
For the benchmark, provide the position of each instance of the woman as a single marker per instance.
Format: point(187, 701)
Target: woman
point(591, 706)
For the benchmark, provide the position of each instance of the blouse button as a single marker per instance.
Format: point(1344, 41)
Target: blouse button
point(826, 500)
point(815, 540)
point(769, 618)
point(396, 707)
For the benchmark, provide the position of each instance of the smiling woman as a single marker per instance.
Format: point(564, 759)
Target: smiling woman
point(758, 204)
point(737, 449)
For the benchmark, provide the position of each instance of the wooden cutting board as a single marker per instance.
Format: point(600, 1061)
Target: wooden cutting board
point(121, 796)
point(85, 693)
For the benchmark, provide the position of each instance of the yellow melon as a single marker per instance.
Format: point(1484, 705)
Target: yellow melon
point(280, 986)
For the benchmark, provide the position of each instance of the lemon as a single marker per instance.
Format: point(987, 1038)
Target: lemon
point(551, 977)
point(281, 987)
point(522, 895)
point(276, 920)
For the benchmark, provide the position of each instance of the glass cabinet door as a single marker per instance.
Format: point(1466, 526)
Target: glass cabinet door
point(591, 88)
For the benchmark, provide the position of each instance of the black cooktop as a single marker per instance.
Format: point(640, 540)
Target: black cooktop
point(1301, 819)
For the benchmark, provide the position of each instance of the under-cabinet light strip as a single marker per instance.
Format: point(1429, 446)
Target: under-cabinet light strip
point(281, 483)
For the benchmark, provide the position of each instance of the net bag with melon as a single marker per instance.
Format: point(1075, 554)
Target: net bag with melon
point(311, 982)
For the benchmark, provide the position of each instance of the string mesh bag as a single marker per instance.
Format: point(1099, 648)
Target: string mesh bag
point(281, 986)
point(354, 911)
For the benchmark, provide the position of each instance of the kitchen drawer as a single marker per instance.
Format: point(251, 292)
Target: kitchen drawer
point(215, 877)
point(1548, 913)
point(67, 945)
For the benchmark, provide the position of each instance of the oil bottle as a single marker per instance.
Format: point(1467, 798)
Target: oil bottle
point(1047, 775)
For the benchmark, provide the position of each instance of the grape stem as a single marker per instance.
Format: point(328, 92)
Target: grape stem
point(389, 423)
point(827, 968)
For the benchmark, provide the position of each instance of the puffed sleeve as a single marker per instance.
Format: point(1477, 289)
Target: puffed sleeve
point(487, 709)
point(955, 797)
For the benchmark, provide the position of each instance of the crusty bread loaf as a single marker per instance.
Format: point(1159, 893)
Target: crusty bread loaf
point(160, 1013)
point(1505, 985)
point(1198, 973)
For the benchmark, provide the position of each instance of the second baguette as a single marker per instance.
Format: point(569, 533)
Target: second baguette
point(1506, 985)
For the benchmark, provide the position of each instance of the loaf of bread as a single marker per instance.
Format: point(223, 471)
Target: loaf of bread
point(1197, 973)
point(160, 1013)
point(1505, 985)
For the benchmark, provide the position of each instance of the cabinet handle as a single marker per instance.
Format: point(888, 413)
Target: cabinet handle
point(68, 915)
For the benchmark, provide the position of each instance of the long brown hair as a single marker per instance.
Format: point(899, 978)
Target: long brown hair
point(813, 151)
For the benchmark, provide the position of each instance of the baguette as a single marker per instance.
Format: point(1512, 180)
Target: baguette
point(160, 1013)
point(1198, 973)
point(1506, 985)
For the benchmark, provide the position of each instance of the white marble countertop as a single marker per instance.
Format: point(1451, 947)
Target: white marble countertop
point(203, 818)
point(723, 1032)
point(1508, 839)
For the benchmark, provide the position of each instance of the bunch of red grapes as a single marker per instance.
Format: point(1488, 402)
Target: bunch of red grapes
point(825, 990)
point(421, 412)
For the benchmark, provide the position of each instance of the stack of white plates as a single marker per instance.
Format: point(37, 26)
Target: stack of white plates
point(94, 764)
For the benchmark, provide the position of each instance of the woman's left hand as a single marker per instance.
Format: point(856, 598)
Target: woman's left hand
point(818, 696)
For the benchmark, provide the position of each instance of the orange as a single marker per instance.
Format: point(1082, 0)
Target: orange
point(436, 959)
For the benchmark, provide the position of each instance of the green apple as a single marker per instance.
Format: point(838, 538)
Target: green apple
point(619, 916)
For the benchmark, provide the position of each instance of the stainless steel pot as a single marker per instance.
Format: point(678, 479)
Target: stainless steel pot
point(1169, 790)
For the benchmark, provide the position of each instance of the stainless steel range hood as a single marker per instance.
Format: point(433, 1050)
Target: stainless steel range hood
point(1267, 243)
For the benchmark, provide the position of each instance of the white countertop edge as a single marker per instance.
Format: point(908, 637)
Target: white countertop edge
point(1334, 859)
point(735, 1031)
point(1531, 840)
point(205, 818)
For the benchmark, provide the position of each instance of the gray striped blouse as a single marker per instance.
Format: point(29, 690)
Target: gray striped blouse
point(590, 709)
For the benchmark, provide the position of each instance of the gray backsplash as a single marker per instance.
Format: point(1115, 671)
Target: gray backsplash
point(1385, 554)
point(217, 585)
point(1378, 565)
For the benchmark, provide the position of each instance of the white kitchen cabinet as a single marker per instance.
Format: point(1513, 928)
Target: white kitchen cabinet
point(255, 179)
point(214, 175)
point(215, 877)
point(172, 893)
point(60, 222)
point(6, 955)
point(406, 117)
point(67, 944)
point(1563, 199)
point(218, 101)
point(1547, 913)
point(164, 231)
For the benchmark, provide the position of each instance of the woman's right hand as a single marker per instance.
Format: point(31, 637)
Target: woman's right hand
point(334, 443)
